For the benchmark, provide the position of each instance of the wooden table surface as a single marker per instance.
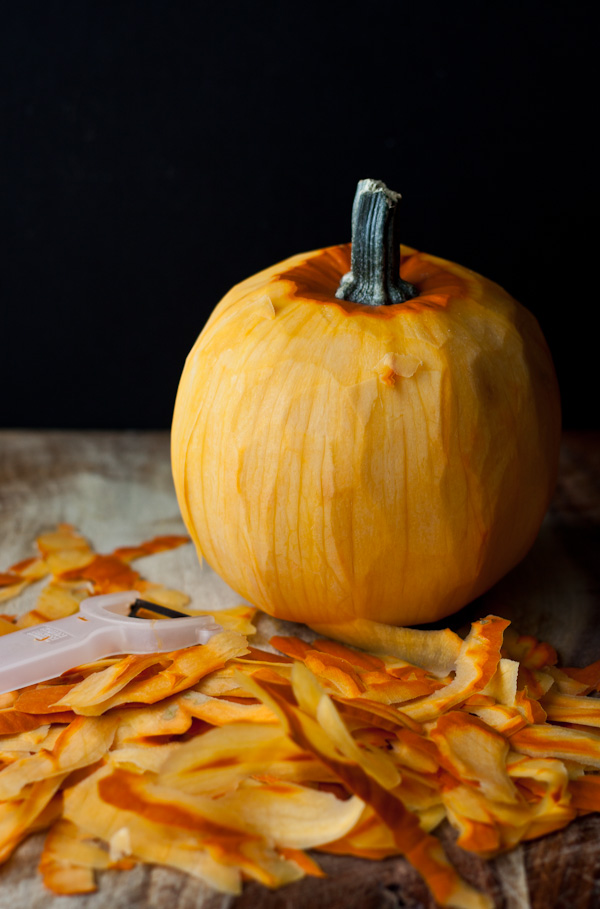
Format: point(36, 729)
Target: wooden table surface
point(116, 488)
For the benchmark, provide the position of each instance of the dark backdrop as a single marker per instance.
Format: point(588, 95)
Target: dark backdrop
point(156, 152)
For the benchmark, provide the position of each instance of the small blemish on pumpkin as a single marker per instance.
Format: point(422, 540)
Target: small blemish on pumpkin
point(264, 307)
point(393, 365)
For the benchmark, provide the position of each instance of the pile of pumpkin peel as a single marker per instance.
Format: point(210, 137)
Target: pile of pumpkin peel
point(228, 762)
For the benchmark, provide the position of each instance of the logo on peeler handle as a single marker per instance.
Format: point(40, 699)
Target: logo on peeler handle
point(45, 633)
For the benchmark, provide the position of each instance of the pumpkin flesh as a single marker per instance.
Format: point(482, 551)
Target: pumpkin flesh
point(335, 461)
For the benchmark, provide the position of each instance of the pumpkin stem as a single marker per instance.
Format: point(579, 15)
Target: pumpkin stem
point(374, 278)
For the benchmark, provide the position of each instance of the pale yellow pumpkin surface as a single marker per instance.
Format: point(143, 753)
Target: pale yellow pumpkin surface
point(335, 461)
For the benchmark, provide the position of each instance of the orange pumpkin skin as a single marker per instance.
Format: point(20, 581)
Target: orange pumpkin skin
point(335, 461)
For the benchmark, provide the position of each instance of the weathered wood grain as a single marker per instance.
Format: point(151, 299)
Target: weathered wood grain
point(116, 487)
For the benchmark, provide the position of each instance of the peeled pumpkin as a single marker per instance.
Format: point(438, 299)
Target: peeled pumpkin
point(366, 432)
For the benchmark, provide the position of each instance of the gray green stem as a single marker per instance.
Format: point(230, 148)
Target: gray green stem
point(374, 278)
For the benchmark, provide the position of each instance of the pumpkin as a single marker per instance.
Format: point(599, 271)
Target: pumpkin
point(366, 431)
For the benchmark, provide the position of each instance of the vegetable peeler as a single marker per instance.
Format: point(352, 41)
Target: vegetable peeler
point(105, 626)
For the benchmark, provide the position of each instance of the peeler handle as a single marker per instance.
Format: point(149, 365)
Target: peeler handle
point(101, 628)
point(44, 651)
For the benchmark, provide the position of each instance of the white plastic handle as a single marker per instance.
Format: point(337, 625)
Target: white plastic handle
point(101, 628)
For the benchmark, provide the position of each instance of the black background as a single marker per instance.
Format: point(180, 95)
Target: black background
point(154, 153)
